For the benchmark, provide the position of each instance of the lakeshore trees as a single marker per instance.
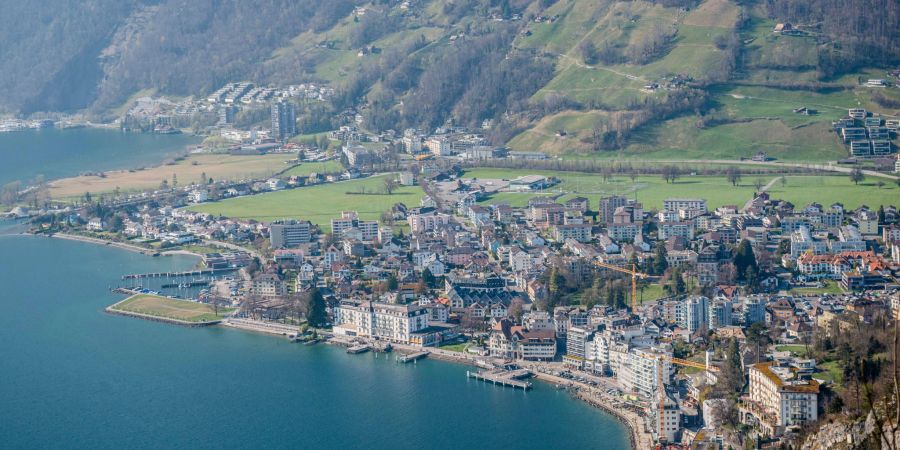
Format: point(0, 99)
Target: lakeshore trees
point(315, 309)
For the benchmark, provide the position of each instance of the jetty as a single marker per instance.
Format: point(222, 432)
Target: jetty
point(190, 273)
point(511, 378)
point(412, 357)
point(356, 349)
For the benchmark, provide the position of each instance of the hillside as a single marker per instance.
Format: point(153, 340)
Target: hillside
point(601, 78)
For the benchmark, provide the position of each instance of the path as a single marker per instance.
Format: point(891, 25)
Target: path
point(761, 190)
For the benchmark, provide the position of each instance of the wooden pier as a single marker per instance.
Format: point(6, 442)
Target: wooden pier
point(176, 274)
point(511, 378)
point(412, 357)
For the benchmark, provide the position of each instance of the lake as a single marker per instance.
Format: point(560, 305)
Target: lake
point(76, 377)
point(56, 153)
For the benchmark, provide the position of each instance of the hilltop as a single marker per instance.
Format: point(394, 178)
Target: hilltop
point(660, 79)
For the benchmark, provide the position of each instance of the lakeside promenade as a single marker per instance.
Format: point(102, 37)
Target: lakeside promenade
point(640, 436)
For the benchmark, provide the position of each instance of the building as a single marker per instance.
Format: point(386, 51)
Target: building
point(578, 232)
point(678, 204)
point(290, 233)
point(754, 310)
point(421, 223)
point(268, 285)
point(284, 120)
point(692, 314)
point(395, 323)
point(779, 399)
point(608, 207)
point(510, 341)
point(719, 313)
point(802, 242)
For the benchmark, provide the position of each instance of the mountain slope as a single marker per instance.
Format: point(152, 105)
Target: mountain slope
point(600, 77)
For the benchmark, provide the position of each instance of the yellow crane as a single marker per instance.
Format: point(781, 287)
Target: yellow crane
point(634, 276)
point(660, 385)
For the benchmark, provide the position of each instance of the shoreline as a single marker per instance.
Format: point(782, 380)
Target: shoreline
point(121, 245)
point(631, 420)
point(111, 309)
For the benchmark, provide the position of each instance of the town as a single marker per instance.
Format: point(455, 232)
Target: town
point(709, 326)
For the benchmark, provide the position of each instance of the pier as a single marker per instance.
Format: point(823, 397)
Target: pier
point(175, 274)
point(511, 378)
point(362, 348)
point(412, 357)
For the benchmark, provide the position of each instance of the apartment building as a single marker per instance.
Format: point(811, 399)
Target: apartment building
point(779, 399)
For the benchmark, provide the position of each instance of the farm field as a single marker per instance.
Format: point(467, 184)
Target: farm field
point(318, 204)
point(652, 190)
point(188, 170)
point(167, 308)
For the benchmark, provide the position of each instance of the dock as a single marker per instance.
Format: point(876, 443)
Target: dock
point(356, 349)
point(175, 274)
point(510, 378)
point(412, 357)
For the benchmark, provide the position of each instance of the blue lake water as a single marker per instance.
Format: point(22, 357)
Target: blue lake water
point(72, 376)
point(56, 153)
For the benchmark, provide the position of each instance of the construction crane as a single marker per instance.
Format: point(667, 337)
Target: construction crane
point(634, 276)
point(660, 385)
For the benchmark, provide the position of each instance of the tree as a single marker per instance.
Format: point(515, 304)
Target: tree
point(733, 174)
point(390, 185)
point(516, 309)
point(744, 259)
point(732, 378)
point(174, 180)
point(783, 180)
point(315, 309)
point(392, 282)
point(680, 288)
point(660, 264)
point(428, 277)
point(758, 184)
point(203, 178)
point(857, 175)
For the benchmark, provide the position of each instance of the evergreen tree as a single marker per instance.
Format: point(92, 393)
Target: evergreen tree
point(659, 260)
point(428, 278)
point(315, 314)
point(392, 283)
point(680, 288)
point(745, 259)
point(752, 280)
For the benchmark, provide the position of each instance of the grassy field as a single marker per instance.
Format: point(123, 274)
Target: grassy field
point(189, 170)
point(831, 287)
point(305, 169)
point(461, 347)
point(652, 190)
point(168, 308)
point(318, 204)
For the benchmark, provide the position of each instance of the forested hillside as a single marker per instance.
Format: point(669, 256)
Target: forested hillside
point(597, 76)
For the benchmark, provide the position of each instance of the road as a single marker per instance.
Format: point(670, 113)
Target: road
point(830, 167)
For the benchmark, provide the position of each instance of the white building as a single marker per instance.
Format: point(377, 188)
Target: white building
point(678, 204)
point(778, 399)
point(395, 323)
